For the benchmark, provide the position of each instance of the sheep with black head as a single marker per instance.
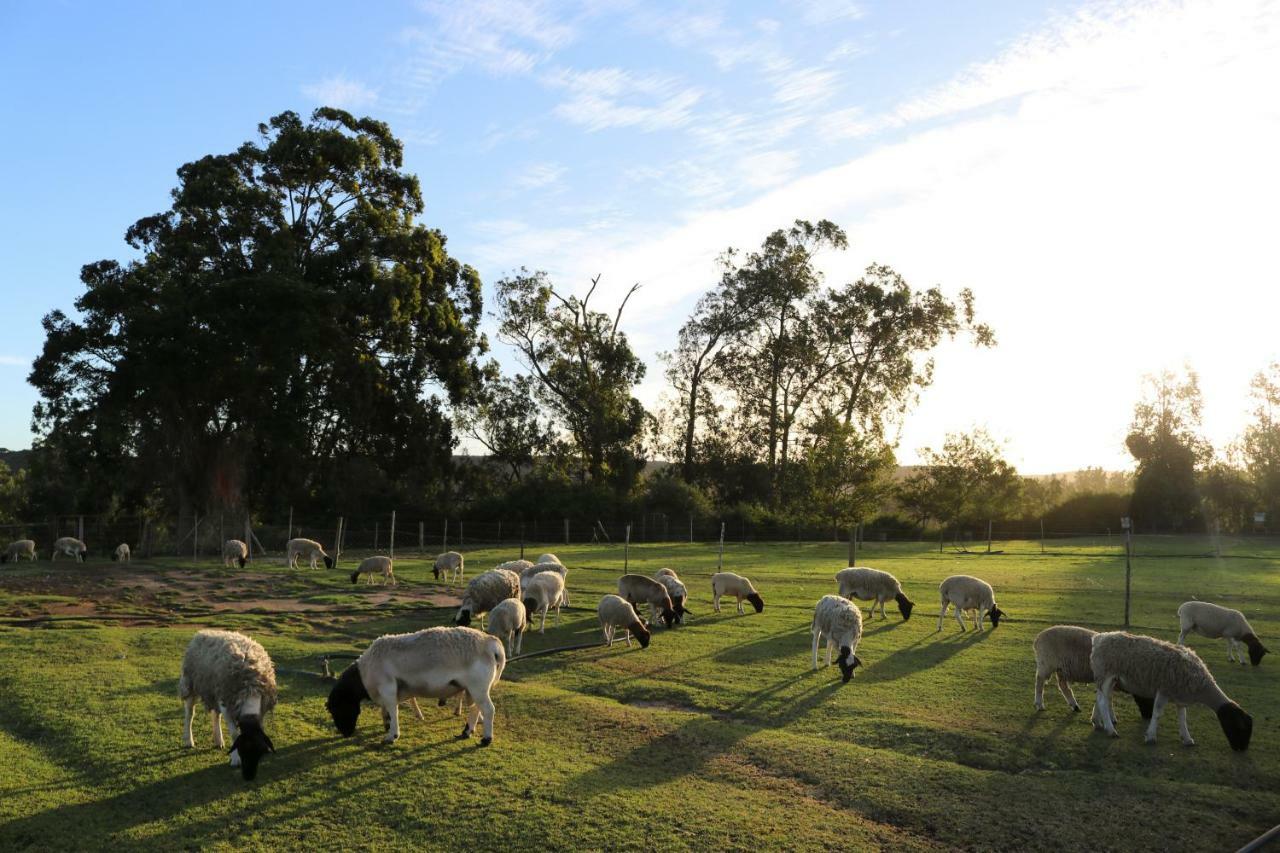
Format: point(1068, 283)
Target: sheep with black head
point(233, 676)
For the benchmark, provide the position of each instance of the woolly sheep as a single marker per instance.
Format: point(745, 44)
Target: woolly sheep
point(308, 548)
point(234, 677)
point(543, 592)
point(840, 621)
point(876, 586)
point(69, 546)
point(969, 594)
point(1146, 666)
point(122, 553)
point(528, 573)
point(508, 621)
point(485, 591)
point(549, 558)
point(1214, 621)
point(434, 662)
point(616, 612)
point(727, 583)
point(449, 566)
point(638, 589)
point(1064, 650)
point(20, 548)
point(234, 551)
point(676, 589)
point(517, 566)
point(376, 565)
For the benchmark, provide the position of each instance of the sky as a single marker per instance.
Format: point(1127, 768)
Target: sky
point(1103, 176)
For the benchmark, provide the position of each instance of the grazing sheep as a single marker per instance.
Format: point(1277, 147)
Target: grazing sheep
point(528, 573)
point(449, 566)
point(840, 621)
point(434, 662)
point(543, 592)
point(1146, 666)
point(517, 566)
point(308, 548)
point(866, 584)
point(485, 591)
point(638, 589)
point(727, 583)
point(1064, 650)
point(676, 589)
point(508, 622)
point(234, 677)
point(234, 551)
point(20, 548)
point(1214, 621)
point(549, 558)
point(376, 565)
point(122, 553)
point(969, 594)
point(70, 546)
point(616, 612)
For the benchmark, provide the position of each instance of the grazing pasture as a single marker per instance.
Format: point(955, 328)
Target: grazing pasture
point(719, 736)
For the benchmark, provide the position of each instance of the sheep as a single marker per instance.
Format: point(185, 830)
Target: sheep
point(234, 551)
point(1149, 667)
point(531, 571)
point(20, 548)
point(616, 612)
point(485, 591)
point(434, 662)
point(549, 558)
point(308, 548)
point(1214, 621)
point(449, 566)
point(234, 677)
point(543, 592)
point(122, 553)
point(638, 589)
point(872, 584)
point(969, 594)
point(1064, 650)
point(70, 546)
point(676, 589)
point(508, 621)
point(517, 566)
point(841, 622)
point(727, 583)
point(376, 565)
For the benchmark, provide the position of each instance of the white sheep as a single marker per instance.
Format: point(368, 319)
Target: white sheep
point(122, 553)
point(17, 550)
point(308, 548)
point(435, 662)
point(69, 546)
point(543, 592)
point(234, 677)
point(517, 566)
point(508, 621)
point(1145, 666)
point(449, 566)
point(616, 612)
point(1214, 621)
point(375, 565)
point(1064, 651)
point(529, 572)
point(548, 558)
point(840, 621)
point(969, 594)
point(639, 589)
point(485, 591)
point(234, 551)
point(676, 589)
point(727, 583)
point(866, 584)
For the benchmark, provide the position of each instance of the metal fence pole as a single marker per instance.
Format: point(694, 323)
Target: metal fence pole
point(421, 538)
point(444, 543)
point(391, 549)
point(248, 536)
point(853, 546)
point(290, 534)
point(626, 551)
point(1128, 570)
point(337, 540)
point(720, 556)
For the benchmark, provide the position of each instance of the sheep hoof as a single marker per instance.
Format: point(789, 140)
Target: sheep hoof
point(485, 741)
point(1189, 742)
point(189, 744)
point(1075, 708)
point(390, 738)
point(1148, 740)
point(466, 733)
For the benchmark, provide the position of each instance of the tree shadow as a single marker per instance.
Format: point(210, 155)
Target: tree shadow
point(920, 655)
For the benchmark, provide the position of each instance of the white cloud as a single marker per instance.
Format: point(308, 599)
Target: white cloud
point(612, 97)
point(15, 361)
point(767, 169)
point(820, 12)
point(339, 91)
point(540, 175)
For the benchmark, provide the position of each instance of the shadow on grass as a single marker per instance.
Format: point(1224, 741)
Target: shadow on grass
point(925, 652)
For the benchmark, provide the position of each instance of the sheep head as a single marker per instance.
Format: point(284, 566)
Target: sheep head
point(1236, 725)
point(250, 745)
point(1256, 649)
point(996, 615)
point(848, 663)
point(756, 601)
point(905, 606)
point(345, 698)
point(641, 633)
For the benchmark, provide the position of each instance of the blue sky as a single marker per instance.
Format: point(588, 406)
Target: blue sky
point(1086, 168)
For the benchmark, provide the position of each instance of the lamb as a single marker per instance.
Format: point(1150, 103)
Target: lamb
point(969, 594)
point(308, 548)
point(234, 677)
point(872, 584)
point(234, 551)
point(532, 570)
point(727, 583)
point(508, 621)
point(676, 589)
point(616, 612)
point(638, 589)
point(1146, 666)
point(70, 546)
point(122, 553)
point(20, 548)
point(449, 566)
point(376, 565)
point(1064, 650)
point(1214, 621)
point(485, 591)
point(434, 662)
point(840, 621)
point(543, 592)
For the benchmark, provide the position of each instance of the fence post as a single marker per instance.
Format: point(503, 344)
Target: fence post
point(195, 539)
point(1042, 536)
point(499, 531)
point(566, 531)
point(444, 543)
point(375, 535)
point(80, 529)
point(942, 532)
point(522, 540)
point(626, 551)
point(853, 546)
point(248, 536)
point(146, 537)
point(690, 528)
point(462, 536)
point(720, 556)
point(337, 541)
point(988, 536)
point(391, 549)
point(1127, 573)
point(290, 534)
point(222, 532)
point(421, 539)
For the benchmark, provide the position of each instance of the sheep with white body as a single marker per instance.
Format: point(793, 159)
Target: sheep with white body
point(528, 573)
point(485, 591)
point(234, 551)
point(234, 677)
point(1145, 666)
point(19, 549)
point(638, 589)
point(449, 566)
point(549, 558)
point(435, 662)
point(517, 566)
point(969, 594)
point(307, 548)
point(543, 592)
point(508, 622)
point(375, 565)
point(122, 553)
point(840, 621)
point(676, 589)
point(867, 584)
point(69, 546)
point(616, 612)
point(1214, 621)
point(727, 583)
point(1064, 650)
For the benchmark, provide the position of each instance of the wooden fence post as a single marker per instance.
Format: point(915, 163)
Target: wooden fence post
point(391, 549)
point(720, 556)
point(337, 540)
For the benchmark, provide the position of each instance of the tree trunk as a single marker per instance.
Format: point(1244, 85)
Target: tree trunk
point(692, 419)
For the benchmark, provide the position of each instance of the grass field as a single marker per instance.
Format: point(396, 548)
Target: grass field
point(719, 736)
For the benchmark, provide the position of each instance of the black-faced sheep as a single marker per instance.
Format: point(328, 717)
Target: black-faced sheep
point(969, 594)
point(840, 621)
point(122, 553)
point(234, 551)
point(866, 584)
point(639, 589)
point(677, 590)
point(449, 567)
point(234, 677)
point(485, 591)
point(69, 546)
point(19, 549)
point(1064, 651)
point(616, 612)
point(543, 592)
point(727, 583)
point(375, 565)
point(1214, 621)
point(308, 548)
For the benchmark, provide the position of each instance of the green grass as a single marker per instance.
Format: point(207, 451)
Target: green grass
point(719, 736)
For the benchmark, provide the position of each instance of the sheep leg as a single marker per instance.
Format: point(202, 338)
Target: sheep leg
point(216, 719)
point(1064, 687)
point(960, 617)
point(417, 712)
point(1041, 678)
point(604, 630)
point(817, 638)
point(1187, 739)
point(1182, 637)
point(1157, 707)
point(484, 709)
point(715, 601)
point(942, 615)
point(626, 632)
point(1233, 648)
point(542, 629)
point(1103, 707)
point(188, 711)
point(882, 616)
